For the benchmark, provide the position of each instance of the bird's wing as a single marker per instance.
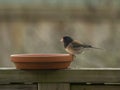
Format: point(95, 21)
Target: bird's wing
point(76, 44)
point(74, 48)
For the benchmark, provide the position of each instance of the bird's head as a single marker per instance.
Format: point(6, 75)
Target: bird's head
point(66, 40)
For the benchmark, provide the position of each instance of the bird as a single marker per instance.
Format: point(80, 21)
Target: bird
point(74, 47)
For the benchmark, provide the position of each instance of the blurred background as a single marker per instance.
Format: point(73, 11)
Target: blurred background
point(36, 26)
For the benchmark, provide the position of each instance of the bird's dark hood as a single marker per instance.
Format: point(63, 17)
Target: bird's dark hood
point(67, 40)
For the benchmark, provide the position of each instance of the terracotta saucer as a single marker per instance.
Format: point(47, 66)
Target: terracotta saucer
point(41, 61)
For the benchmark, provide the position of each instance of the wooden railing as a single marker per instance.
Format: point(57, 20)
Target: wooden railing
point(69, 79)
point(30, 10)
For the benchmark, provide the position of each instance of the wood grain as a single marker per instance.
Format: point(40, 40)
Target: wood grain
point(58, 76)
point(18, 87)
point(53, 86)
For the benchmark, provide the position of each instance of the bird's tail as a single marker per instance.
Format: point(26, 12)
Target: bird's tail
point(97, 48)
point(89, 46)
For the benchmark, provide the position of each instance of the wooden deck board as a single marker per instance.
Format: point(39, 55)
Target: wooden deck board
point(92, 75)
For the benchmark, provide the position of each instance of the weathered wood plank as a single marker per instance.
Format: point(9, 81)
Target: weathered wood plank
point(61, 3)
point(59, 10)
point(94, 87)
point(64, 76)
point(53, 86)
point(18, 87)
point(56, 14)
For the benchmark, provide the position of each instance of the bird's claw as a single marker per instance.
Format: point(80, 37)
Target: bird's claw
point(73, 56)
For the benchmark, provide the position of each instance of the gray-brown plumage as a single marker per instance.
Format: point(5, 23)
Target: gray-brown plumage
point(74, 47)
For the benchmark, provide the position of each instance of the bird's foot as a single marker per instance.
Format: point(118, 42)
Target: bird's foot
point(73, 56)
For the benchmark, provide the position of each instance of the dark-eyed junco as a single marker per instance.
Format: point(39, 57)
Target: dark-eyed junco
point(74, 47)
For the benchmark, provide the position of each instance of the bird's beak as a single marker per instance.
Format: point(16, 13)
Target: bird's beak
point(61, 40)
